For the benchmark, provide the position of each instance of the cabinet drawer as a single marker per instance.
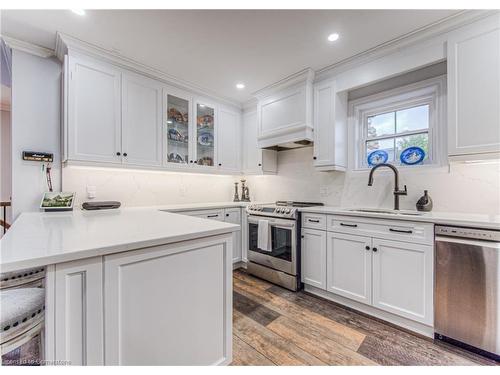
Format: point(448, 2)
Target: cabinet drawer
point(232, 215)
point(206, 214)
point(398, 230)
point(314, 221)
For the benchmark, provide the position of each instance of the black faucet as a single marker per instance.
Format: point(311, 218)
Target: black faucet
point(397, 192)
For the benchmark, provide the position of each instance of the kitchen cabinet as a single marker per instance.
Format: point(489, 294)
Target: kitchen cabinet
point(233, 216)
point(94, 130)
point(78, 312)
point(349, 266)
point(162, 305)
point(255, 159)
point(330, 127)
point(229, 215)
point(141, 121)
point(179, 129)
point(402, 279)
point(383, 266)
point(228, 140)
point(473, 58)
point(313, 256)
point(205, 137)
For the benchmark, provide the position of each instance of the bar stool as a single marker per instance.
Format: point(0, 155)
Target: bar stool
point(29, 278)
point(22, 313)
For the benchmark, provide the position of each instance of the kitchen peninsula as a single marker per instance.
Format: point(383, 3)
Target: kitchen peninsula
point(134, 286)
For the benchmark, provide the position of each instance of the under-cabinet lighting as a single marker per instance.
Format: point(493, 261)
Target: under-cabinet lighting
point(170, 122)
point(333, 37)
point(80, 12)
point(240, 86)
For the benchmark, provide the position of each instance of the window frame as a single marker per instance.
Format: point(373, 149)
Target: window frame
point(431, 92)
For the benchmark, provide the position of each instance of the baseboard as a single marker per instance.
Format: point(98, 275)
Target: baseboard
point(407, 324)
point(239, 264)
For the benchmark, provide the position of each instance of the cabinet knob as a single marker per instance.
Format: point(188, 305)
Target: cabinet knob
point(314, 157)
point(367, 247)
point(196, 162)
point(374, 249)
point(220, 165)
point(302, 236)
point(227, 215)
point(260, 164)
point(124, 154)
point(190, 161)
point(118, 153)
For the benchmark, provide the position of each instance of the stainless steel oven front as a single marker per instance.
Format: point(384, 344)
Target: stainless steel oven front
point(282, 260)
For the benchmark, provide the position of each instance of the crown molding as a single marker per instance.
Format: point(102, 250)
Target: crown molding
point(66, 44)
point(27, 47)
point(422, 34)
point(305, 75)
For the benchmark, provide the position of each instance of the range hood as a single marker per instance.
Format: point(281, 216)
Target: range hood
point(285, 112)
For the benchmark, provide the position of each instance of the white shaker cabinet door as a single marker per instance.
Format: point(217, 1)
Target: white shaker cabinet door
point(233, 216)
point(313, 257)
point(403, 279)
point(229, 141)
point(78, 319)
point(141, 121)
point(94, 117)
point(349, 266)
point(169, 305)
point(474, 88)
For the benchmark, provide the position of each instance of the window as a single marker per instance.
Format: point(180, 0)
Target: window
point(400, 126)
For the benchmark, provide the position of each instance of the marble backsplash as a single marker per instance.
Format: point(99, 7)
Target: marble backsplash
point(469, 188)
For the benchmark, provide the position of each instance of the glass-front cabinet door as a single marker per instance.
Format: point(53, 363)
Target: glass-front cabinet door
point(178, 130)
point(205, 135)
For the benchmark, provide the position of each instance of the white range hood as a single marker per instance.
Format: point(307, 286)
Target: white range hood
point(285, 112)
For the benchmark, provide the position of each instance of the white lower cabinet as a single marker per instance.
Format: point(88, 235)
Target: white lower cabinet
point(402, 279)
point(78, 312)
point(363, 263)
point(233, 216)
point(349, 266)
point(313, 255)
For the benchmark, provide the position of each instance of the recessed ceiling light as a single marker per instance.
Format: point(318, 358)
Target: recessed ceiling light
point(333, 37)
point(240, 86)
point(80, 12)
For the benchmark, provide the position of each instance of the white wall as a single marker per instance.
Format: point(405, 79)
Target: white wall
point(35, 126)
point(146, 188)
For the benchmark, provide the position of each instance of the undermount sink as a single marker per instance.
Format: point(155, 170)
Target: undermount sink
point(386, 211)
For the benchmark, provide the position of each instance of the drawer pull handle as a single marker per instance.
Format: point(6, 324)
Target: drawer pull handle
point(349, 225)
point(213, 216)
point(409, 231)
point(313, 221)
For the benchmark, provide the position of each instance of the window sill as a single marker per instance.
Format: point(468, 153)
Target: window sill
point(433, 168)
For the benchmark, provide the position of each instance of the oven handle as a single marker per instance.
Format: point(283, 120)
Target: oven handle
point(277, 223)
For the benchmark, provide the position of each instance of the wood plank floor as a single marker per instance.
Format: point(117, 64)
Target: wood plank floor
point(273, 326)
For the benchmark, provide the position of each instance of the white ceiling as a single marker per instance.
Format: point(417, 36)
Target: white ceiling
point(215, 49)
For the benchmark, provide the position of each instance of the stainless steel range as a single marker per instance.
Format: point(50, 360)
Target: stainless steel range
point(274, 243)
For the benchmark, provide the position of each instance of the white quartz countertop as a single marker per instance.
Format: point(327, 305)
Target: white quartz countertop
point(444, 218)
point(200, 206)
point(38, 239)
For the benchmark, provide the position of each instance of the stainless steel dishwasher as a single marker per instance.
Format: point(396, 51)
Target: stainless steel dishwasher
point(467, 288)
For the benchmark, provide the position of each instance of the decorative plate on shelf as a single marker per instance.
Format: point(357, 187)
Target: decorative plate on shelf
point(377, 157)
point(206, 139)
point(175, 158)
point(206, 160)
point(412, 155)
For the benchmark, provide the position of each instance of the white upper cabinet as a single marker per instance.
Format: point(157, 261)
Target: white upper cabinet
point(256, 160)
point(94, 111)
point(284, 111)
point(178, 144)
point(205, 134)
point(141, 120)
point(330, 128)
point(474, 88)
point(229, 140)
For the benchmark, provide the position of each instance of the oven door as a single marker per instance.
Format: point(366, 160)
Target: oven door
point(283, 255)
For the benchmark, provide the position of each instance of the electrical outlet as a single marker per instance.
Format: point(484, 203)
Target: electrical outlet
point(91, 191)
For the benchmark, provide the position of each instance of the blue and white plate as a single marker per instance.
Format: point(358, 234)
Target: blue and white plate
point(377, 157)
point(412, 155)
point(206, 139)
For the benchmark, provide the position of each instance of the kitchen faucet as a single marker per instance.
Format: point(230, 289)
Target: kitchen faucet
point(397, 192)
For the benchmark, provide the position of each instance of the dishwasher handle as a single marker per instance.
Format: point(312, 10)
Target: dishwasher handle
point(469, 242)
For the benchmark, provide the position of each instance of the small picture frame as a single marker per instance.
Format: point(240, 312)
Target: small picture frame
point(57, 201)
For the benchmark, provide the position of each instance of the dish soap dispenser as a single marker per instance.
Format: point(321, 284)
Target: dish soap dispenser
point(425, 202)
